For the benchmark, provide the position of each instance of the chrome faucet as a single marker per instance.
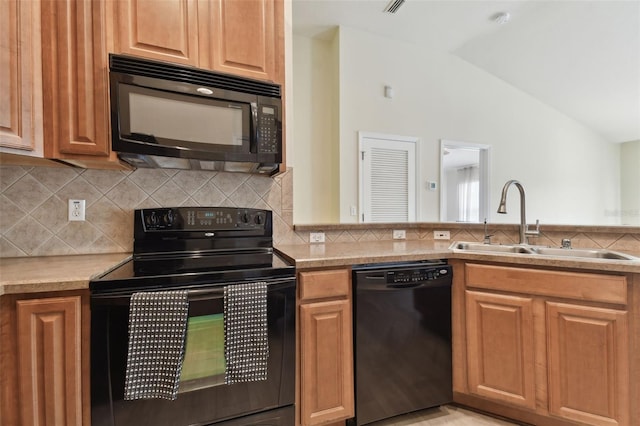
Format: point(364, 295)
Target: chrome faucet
point(502, 209)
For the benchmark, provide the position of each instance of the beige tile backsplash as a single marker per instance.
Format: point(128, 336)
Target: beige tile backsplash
point(34, 202)
point(33, 211)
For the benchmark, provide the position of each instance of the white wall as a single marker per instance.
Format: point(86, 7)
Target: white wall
point(571, 176)
point(630, 182)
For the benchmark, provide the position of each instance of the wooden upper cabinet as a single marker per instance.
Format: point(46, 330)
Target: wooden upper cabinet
point(240, 37)
point(75, 90)
point(20, 79)
point(243, 37)
point(165, 30)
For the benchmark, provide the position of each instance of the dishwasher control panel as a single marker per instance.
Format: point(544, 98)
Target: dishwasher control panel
point(398, 275)
point(405, 276)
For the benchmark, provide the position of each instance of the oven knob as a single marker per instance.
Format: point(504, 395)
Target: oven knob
point(152, 219)
point(168, 218)
point(258, 219)
point(244, 218)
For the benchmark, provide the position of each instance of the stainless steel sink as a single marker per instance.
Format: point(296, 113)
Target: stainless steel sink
point(493, 248)
point(542, 251)
point(584, 253)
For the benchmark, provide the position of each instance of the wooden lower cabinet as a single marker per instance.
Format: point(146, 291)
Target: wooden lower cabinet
point(326, 347)
point(588, 363)
point(500, 347)
point(44, 378)
point(527, 351)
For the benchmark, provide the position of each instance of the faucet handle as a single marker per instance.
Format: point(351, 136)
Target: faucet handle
point(487, 236)
point(534, 232)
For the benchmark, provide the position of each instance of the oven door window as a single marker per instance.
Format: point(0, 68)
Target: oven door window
point(185, 121)
point(204, 362)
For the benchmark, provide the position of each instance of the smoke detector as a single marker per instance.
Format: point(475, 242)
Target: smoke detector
point(393, 6)
point(501, 18)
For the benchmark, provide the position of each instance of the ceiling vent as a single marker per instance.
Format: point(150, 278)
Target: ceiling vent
point(393, 6)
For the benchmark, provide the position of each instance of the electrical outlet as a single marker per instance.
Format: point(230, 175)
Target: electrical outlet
point(441, 235)
point(76, 210)
point(399, 234)
point(353, 211)
point(316, 237)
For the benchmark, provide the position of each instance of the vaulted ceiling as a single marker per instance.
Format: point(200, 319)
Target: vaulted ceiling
point(580, 57)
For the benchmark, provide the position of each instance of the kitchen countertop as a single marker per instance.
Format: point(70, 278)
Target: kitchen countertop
point(54, 273)
point(352, 253)
point(73, 272)
point(345, 254)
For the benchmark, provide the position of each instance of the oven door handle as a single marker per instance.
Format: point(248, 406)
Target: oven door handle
point(201, 292)
point(205, 294)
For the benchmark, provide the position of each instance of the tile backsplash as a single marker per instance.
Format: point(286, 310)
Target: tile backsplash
point(34, 204)
point(609, 237)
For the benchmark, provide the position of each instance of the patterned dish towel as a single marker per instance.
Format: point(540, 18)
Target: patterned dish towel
point(157, 330)
point(245, 331)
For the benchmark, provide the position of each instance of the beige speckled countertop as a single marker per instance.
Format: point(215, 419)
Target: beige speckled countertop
point(346, 254)
point(54, 273)
point(58, 273)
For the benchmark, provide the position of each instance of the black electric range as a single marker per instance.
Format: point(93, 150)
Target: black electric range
point(204, 250)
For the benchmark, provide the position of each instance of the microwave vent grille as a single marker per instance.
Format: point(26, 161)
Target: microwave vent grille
point(186, 74)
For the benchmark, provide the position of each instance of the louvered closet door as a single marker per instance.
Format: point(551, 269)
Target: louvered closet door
point(387, 178)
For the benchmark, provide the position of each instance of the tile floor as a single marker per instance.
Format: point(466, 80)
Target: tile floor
point(444, 416)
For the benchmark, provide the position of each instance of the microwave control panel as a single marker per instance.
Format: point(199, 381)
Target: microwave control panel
point(267, 130)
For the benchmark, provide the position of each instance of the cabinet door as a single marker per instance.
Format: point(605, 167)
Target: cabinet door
point(165, 30)
point(49, 361)
point(75, 93)
point(500, 347)
point(326, 362)
point(244, 37)
point(588, 364)
point(20, 77)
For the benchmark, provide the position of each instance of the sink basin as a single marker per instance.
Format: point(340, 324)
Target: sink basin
point(542, 251)
point(493, 248)
point(585, 253)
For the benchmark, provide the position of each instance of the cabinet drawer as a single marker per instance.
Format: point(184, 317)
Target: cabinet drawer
point(324, 284)
point(573, 285)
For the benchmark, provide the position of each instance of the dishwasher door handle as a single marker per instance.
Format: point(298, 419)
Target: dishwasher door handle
point(371, 286)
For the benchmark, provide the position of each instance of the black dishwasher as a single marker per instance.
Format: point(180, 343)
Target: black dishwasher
point(402, 338)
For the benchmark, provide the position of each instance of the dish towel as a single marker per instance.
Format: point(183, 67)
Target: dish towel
point(157, 330)
point(245, 332)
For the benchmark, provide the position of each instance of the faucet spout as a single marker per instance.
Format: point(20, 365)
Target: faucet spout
point(502, 209)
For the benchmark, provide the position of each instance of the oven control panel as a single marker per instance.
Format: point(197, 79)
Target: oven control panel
point(202, 218)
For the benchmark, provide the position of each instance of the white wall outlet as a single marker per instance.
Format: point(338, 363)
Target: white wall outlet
point(354, 211)
point(399, 234)
point(316, 237)
point(76, 210)
point(441, 235)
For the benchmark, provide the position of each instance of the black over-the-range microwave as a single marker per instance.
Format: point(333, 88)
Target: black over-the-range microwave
point(165, 115)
